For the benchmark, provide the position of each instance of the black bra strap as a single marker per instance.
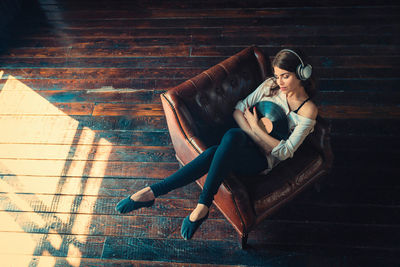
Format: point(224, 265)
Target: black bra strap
point(301, 105)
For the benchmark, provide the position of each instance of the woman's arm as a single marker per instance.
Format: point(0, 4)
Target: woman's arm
point(241, 121)
point(261, 138)
point(266, 141)
point(250, 100)
point(283, 149)
point(286, 148)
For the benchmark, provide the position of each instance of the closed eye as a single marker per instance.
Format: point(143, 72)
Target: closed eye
point(285, 75)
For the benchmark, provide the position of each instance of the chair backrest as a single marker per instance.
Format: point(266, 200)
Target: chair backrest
point(212, 95)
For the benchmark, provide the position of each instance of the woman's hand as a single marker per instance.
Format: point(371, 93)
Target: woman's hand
point(251, 118)
point(248, 121)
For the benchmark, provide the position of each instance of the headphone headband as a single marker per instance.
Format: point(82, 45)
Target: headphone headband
point(297, 55)
point(303, 71)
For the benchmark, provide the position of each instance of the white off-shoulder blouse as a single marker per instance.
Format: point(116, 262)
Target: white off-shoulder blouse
point(299, 126)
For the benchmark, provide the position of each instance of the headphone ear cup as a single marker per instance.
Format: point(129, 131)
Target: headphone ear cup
point(304, 72)
point(299, 72)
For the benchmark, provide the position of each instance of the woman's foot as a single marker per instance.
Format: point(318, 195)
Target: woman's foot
point(145, 194)
point(192, 222)
point(198, 213)
point(142, 198)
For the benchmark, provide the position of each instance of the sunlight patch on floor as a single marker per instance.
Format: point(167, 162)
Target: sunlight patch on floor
point(39, 141)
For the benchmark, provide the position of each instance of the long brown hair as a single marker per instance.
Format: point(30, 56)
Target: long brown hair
point(288, 61)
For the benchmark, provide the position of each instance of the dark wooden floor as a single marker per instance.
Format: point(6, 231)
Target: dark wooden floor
point(81, 126)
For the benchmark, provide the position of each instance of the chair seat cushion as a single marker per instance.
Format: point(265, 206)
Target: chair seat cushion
point(284, 179)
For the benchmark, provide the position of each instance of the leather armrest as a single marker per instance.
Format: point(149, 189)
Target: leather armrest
point(242, 200)
point(181, 125)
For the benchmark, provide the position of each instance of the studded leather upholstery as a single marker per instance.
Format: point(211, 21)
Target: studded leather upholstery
point(198, 113)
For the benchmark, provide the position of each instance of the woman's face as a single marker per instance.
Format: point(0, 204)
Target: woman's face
point(287, 81)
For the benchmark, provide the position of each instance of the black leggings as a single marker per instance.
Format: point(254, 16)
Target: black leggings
point(236, 153)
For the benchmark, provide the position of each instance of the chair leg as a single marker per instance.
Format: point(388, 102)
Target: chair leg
point(243, 240)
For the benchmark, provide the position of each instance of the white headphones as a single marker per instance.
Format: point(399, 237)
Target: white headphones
point(303, 71)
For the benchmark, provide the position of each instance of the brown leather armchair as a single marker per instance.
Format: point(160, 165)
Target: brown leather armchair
point(199, 111)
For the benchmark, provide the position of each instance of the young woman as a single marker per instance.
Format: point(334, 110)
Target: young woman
point(247, 150)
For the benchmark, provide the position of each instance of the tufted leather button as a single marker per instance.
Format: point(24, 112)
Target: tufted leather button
point(201, 99)
point(233, 83)
point(219, 91)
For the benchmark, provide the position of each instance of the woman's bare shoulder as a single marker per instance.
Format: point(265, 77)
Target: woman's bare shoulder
point(309, 110)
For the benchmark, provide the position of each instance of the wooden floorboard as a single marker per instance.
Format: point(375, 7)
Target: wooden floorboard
point(82, 126)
